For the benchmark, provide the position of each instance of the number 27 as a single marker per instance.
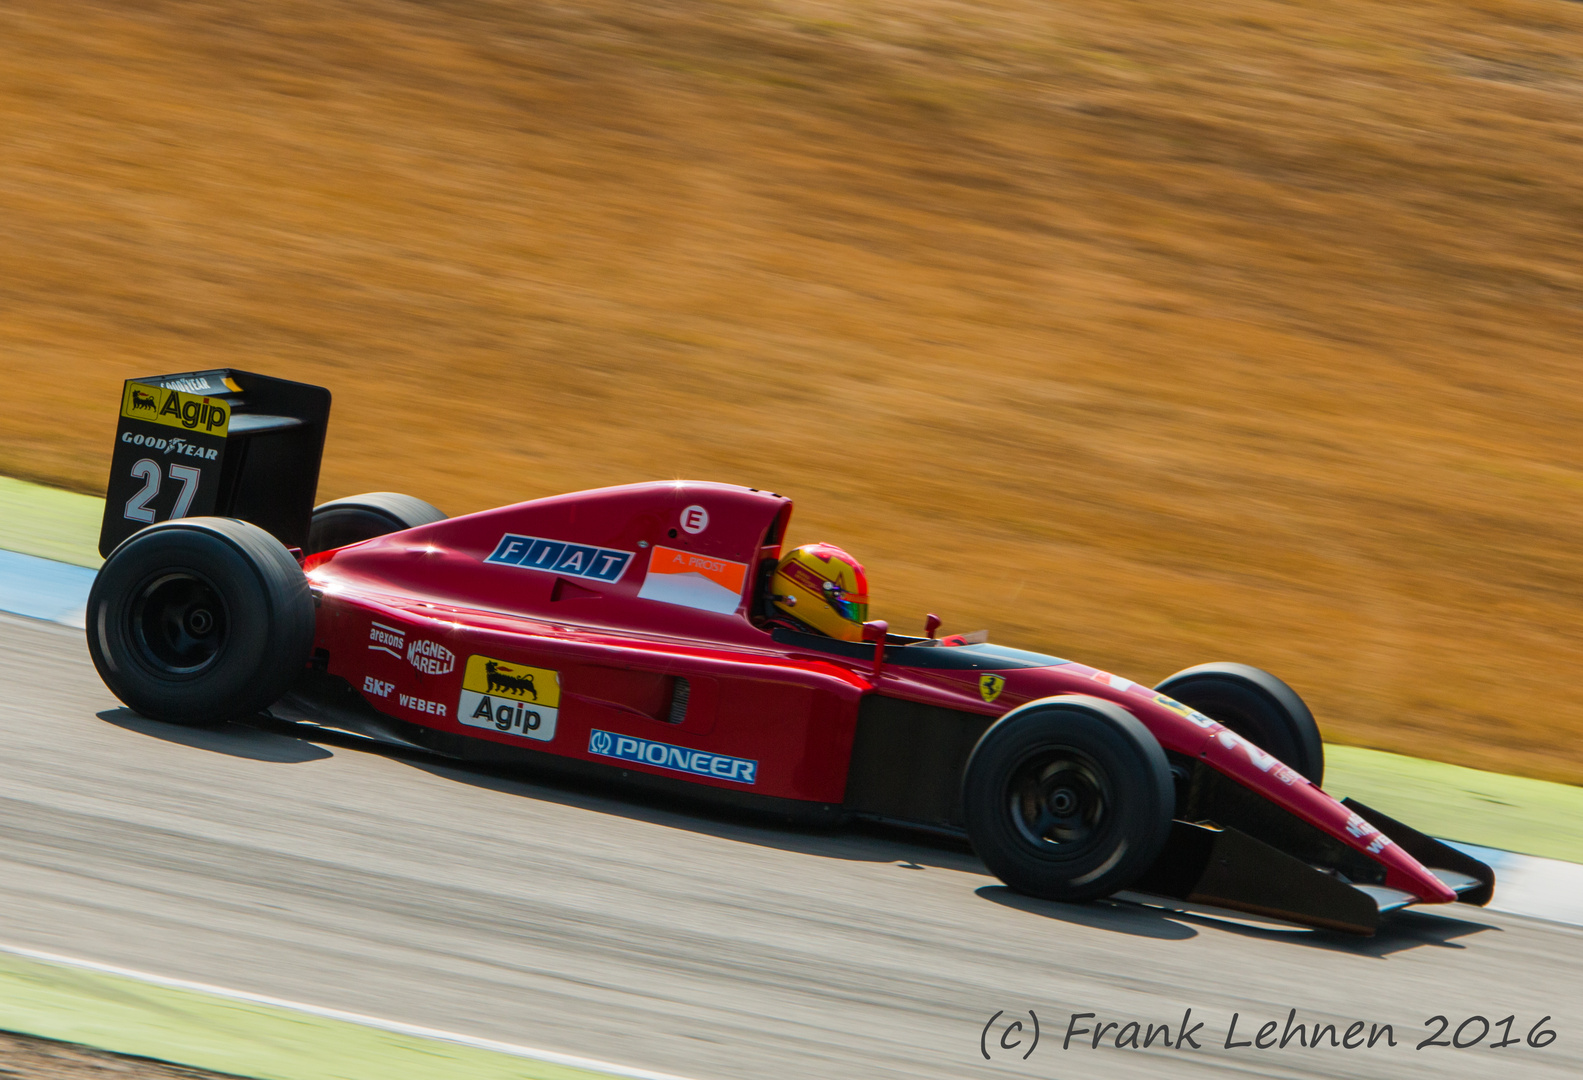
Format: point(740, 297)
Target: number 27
point(147, 469)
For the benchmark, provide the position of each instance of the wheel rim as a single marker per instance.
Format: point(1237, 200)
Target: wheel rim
point(1059, 799)
point(178, 623)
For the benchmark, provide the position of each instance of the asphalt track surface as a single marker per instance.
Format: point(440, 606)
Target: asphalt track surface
point(574, 920)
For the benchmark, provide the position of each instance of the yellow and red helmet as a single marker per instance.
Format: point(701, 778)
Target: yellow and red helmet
point(822, 588)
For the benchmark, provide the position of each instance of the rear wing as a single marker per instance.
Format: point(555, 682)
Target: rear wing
point(221, 442)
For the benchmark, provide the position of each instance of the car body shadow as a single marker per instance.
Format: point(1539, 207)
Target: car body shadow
point(236, 740)
point(1112, 915)
point(1133, 914)
point(1150, 916)
point(856, 841)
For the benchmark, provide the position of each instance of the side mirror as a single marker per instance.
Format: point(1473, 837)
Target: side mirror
point(875, 632)
point(931, 623)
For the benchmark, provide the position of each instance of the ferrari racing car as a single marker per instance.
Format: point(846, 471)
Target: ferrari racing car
point(657, 634)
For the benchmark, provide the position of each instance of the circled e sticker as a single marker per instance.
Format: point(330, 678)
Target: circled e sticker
point(695, 519)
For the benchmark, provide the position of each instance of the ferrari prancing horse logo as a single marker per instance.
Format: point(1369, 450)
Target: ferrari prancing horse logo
point(989, 686)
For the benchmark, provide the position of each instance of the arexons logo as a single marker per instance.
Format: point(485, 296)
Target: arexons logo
point(174, 408)
point(431, 658)
point(387, 639)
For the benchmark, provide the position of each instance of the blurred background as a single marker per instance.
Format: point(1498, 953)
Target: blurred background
point(1145, 334)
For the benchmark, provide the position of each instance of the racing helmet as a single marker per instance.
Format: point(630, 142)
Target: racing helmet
point(821, 588)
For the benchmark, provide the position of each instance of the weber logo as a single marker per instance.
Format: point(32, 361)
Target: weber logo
point(431, 658)
point(417, 704)
point(559, 557)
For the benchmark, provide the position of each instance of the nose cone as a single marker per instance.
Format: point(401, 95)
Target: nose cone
point(1233, 755)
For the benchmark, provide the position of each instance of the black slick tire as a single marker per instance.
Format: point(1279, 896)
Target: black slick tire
point(200, 620)
point(362, 517)
point(1257, 706)
point(1068, 798)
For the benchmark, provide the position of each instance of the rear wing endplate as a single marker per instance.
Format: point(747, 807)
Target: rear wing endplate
point(221, 442)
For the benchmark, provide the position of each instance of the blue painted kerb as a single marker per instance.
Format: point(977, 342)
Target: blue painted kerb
point(44, 589)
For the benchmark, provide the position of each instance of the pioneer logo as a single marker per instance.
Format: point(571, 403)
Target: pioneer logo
point(431, 658)
point(676, 758)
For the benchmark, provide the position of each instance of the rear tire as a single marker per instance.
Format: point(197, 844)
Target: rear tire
point(362, 517)
point(200, 620)
point(1257, 706)
point(1068, 798)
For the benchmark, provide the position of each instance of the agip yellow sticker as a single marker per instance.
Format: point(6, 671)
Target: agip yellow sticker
point(510, 698)
point(175, 408)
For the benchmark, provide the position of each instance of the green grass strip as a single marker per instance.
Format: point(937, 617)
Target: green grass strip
point(187, 1027)
point(50, 523)
point(1513, 813)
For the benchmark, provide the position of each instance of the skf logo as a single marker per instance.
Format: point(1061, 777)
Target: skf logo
point(173, 408)
point(990, 686)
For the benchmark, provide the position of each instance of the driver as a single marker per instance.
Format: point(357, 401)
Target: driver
point(821, 589)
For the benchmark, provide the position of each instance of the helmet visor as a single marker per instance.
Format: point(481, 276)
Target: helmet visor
point(852, 608)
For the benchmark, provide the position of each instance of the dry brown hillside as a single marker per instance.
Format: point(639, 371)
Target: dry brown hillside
point(1145, 333)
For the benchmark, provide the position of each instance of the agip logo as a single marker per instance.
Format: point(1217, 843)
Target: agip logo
point(175, 408)
point(513, 699)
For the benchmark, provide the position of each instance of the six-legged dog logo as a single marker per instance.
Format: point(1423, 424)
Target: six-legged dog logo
point(500, 682)
point(141, 400)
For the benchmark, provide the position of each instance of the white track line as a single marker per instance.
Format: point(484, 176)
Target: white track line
point(395, 1026)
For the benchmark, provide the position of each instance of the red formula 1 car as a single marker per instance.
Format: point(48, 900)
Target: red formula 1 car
point(627, 632)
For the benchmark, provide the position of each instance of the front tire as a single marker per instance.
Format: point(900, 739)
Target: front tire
point(200, 620)
point(1257, 706)
point(362, 517)
point(1068, 798)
